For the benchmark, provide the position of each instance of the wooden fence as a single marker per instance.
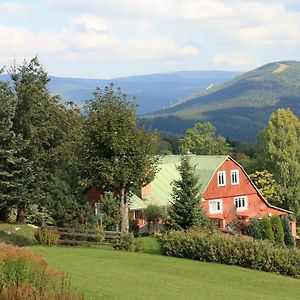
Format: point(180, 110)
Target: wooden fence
point(72, 236)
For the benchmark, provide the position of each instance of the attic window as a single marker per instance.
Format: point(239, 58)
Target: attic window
point(221, 178)
point(235, 177)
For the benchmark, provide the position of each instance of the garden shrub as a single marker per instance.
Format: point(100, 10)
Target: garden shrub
point(253, 229)
point(129, 243)
point(133, 226)
point(24, 275)
point(277, 230)
point(232, 250)
point(289, 240)
point(47, 236)
point(266, 229)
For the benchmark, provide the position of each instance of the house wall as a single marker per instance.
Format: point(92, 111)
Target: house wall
point(256, 206)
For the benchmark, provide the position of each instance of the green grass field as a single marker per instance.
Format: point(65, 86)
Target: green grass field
point(111, 274)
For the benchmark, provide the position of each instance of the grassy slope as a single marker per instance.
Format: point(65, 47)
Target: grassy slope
point(21, 237)
point(110, 274)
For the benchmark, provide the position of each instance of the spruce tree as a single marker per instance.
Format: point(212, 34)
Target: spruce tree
point(253, 229)
point(186, 211)
point(12, 164)
point(266, 229)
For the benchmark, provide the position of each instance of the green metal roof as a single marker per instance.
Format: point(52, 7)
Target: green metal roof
point(137, 203)
point(161, 186)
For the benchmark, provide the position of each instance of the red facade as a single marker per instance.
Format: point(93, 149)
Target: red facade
point(234, 196)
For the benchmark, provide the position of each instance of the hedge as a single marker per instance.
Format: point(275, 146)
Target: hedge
point(232, 250)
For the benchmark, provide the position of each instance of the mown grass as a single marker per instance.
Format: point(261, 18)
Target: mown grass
point(17, 234)
point(111, 274)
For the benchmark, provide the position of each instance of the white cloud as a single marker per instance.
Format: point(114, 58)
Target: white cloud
point(13, 8)
point(233, 61)
point(90, 22)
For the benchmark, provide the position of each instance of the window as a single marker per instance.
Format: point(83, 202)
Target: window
point(235, 177)
point(215, 206)
point(221, 178)
point(241, 203)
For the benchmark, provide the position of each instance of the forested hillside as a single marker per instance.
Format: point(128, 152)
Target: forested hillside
point(240, 107)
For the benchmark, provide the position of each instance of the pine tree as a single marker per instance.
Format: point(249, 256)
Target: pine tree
point(12, 164)
point(186, 211)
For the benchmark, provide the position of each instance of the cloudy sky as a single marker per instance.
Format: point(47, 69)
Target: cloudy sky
point(111, 38)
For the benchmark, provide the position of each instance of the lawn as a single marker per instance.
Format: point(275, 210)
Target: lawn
point(111, 274)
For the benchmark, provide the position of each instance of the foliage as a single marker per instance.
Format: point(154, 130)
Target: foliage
point(289, 240)
point(253, 229)
point(133, 226)
point(47, 236)
point(110, 209)
point(266, 184)
point(129, 243)
point(266, 229)
point(153, 214)
point(38, 215)
point(202, 139)
point(279, 153)
point(25, 275)
point(232, 250)
point(12, 163)
point(186, 211)
point(249, 164)
point(277, 229)
point(116, 154)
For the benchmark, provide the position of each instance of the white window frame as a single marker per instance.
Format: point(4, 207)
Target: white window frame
point(223, 174)
point(237, 177)
point(242, 208)
point(215, 211)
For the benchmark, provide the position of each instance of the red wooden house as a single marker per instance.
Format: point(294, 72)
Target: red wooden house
point(226, 189)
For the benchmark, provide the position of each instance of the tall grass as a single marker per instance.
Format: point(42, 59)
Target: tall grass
point(24, 275)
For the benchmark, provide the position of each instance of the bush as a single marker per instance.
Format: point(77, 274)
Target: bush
point(231, 250)
point(153, 214)
point(133, 226)
point(266, 229)
point(47, 236)
point(253, 229)
point(129, 243)
point(277, 230)
point(25, 275)
point(289, 240)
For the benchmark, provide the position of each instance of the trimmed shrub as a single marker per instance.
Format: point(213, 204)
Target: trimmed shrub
point(266, 229)
point(277, 230)
point(47, 236)
point(153, 214)
point(289, 240)
point(232, 250)
point(253, 229)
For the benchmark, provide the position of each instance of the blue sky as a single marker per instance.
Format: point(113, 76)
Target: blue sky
point(112, 38)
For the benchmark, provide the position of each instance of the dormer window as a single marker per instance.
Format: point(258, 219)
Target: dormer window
point(235, 177)
point(221, 178)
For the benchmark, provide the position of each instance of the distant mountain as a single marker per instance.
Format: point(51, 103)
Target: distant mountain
point(238, 108)
point(153, 92)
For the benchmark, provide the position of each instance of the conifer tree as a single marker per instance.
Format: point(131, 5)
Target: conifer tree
point(266, 229)
point(12, 164)
point(186, 211)
point(277, 230)
point(289, 240)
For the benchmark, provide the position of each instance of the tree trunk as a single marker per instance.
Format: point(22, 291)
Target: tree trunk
point(21, 214)
point(4, 214)
point(124, 212)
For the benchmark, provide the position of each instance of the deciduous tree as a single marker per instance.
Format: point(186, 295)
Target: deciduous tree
point(117, 155)
point(202, 140)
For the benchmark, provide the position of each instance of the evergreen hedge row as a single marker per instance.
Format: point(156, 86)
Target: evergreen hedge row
point(232, 250)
